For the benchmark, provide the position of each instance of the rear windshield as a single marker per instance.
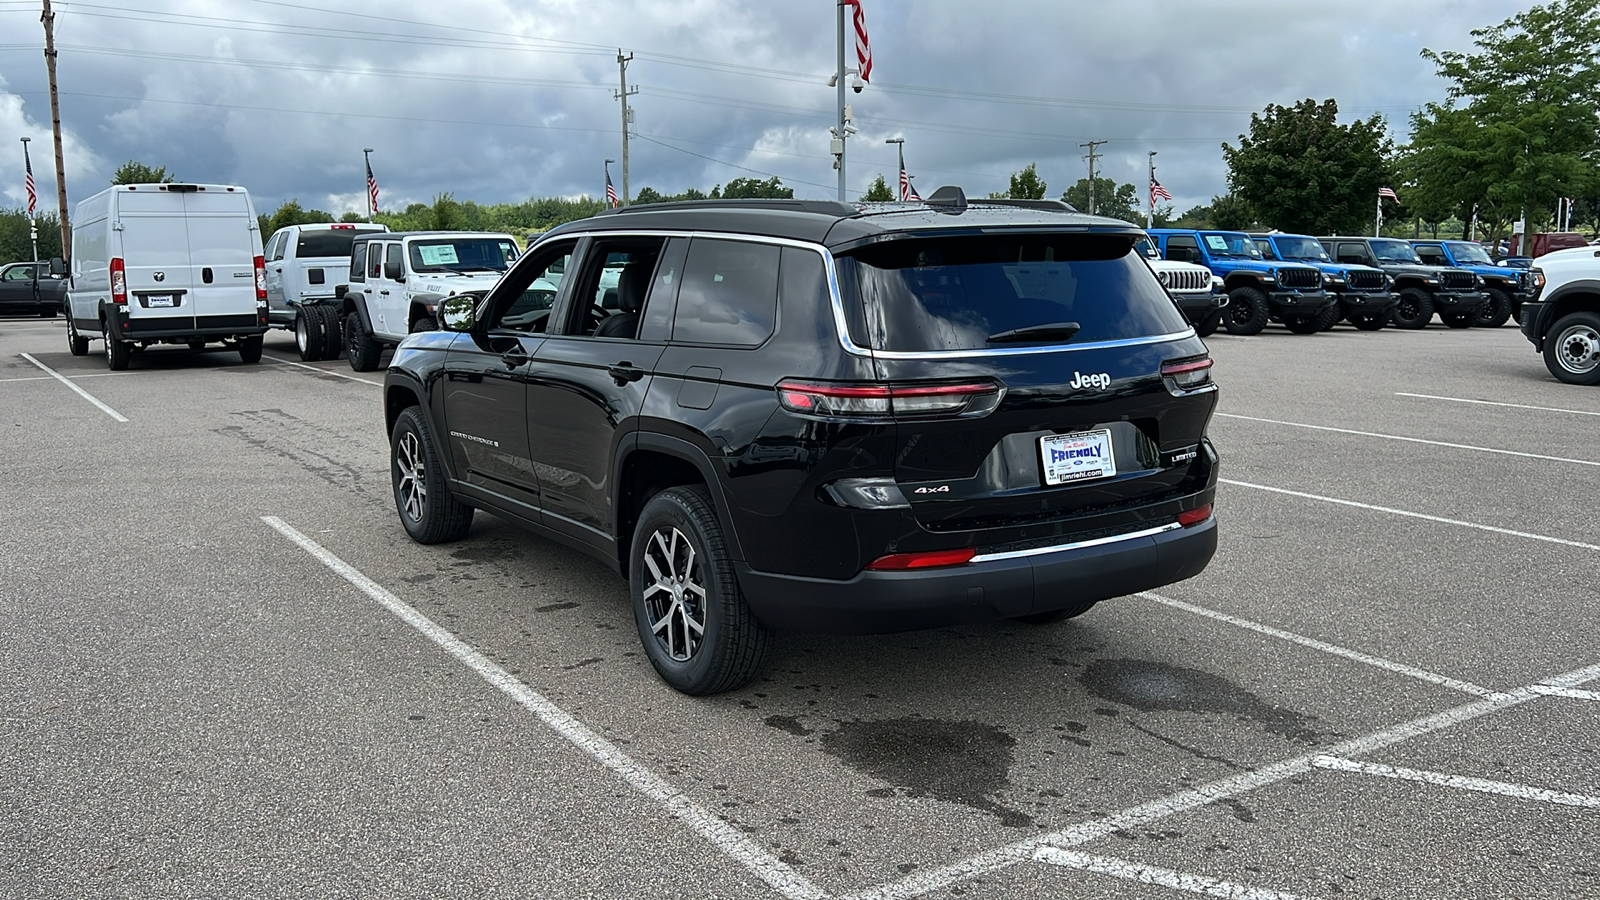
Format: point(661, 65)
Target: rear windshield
point(325, 243)
point(956, 293)
point(462, 255)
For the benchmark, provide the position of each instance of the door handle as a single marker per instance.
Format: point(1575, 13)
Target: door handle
point(384, 292)
point(624, 372)
point(513, 359)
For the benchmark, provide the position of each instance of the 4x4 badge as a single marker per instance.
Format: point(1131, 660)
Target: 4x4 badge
point(941, 489)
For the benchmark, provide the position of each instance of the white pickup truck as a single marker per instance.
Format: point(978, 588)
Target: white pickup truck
point(397, 280)
point(304, 264)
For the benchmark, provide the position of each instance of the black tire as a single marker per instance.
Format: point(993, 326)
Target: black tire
point(1572, 348)
point(1329, 318)
point(1496, 311)
point(1459, 320)
point(310, 338)
point(47, 313)
point(1247, 311)
point(428, 511)
point(1208, 325)
point(364, 350)
point(332, 334)
point(1056, 615)
point(1415, 309)
point(250, 349)
point(1304, 325)
point(679, 527)
point(422, 321)
point(117, 352)
point(77, 345)
point(197, 345)
point(1370, 323)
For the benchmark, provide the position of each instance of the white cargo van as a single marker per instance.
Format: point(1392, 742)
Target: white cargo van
point(167, 264)
point(304, 263)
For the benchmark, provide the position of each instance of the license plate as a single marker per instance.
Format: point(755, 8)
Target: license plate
point(1076, 457)
point(153, 301)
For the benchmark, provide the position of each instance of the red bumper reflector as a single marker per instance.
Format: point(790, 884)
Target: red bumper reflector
point(927, 560)
point(1194, 516)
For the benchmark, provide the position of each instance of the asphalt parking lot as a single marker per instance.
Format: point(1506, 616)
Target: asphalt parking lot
point(226, 671)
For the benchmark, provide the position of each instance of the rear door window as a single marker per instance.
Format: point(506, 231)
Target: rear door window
point(729, 294)
point(965, 293)
point(332, 242)
point(1183, 248)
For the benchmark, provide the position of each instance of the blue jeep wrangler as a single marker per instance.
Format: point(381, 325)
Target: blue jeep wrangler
point(1258, 289)
point(1365, 300)
point(1508, 288)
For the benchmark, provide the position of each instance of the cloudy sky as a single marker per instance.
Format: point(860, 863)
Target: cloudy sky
point(500, 100)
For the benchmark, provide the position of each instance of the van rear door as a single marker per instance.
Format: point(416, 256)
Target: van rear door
point(155, 253)
point(222, 251)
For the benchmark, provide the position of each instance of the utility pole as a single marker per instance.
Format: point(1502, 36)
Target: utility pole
point(1092, 157)
point(49, 20)
point(627, 115)
point(1150, 217)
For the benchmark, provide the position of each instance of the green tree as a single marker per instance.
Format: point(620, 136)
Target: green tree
point(135, 172)
point(1194, 217)
point(752, 188)
point(879, 192)
point(1521, 122)
point(1300, 170)
point(1117, 201)
point(14, 243)
point(1025, 185)
point(352, 217)
point(290, 213)
point(1230, 213)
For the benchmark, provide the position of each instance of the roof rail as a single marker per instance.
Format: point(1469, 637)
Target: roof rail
point(836, 208)
point(1049, 205)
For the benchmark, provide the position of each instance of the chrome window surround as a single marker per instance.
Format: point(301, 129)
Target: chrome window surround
point(840, 324)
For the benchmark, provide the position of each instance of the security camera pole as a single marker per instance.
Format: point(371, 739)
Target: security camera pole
point(843, 129)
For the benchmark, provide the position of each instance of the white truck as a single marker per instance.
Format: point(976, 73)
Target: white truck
point(304, 264)
point(166, 264)
point(1563, 318)
point(397, 280)
point(1197, 292)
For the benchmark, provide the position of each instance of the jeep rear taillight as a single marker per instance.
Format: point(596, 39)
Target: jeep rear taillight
point(899, 401)
point(119, 281)
point(1185, 375)
point(261, 278)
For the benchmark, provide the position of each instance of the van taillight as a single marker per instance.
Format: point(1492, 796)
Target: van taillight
point(261, 278)
point(901, 401)
point(119, 281)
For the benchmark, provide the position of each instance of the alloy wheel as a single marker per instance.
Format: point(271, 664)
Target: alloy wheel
point(676, 600)
point(411, 487)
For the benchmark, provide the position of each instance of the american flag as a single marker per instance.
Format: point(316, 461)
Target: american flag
point(1388, 192)
point(907, 192)
point(33, 195)
point(863, 48)
point(372, 188)
point(1157, 192)
point(611, 192)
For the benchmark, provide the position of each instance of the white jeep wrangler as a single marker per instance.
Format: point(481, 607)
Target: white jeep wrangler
point(397, 281)
point(1197, 292)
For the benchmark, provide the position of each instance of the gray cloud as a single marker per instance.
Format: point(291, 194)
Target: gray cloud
point(499, 100)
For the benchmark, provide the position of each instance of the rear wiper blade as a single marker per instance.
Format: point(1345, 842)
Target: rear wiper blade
point(1036, 333)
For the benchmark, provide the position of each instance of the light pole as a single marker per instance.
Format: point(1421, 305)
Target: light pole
point(900, 151)
point(372, 203)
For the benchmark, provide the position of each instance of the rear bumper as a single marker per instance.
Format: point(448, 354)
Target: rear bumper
point(179, 328)
point(1197, 306)
point(1299, 304)
point(997, 586)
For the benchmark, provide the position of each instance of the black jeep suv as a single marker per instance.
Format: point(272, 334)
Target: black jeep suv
point(821, 416)
point(1455, 294)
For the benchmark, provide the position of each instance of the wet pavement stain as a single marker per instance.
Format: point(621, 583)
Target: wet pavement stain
point(956, 762)
point(1153, 686)
point(788, 723)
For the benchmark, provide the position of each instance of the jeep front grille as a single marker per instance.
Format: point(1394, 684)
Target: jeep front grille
point(1299, 278)
point(1187, 281)
point(1361, 280)
point(1457, 280)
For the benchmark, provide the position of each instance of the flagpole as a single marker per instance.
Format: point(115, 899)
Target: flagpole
point(366, 154)
point(1150, 218)
point(33, 221)
point(1377, 221)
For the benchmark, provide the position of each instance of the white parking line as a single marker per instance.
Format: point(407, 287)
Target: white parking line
point(1465, 687)
point(1463, 782)
point(725, 837)
point(1575, 412)
point(80, 391)
point(1569, 693)
point(321, 371)
point(1413, 515)
point(1194, 798)
point(83, 375)
point(1412, 440)
point(1145, 874)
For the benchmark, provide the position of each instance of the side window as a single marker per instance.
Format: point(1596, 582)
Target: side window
point(729, 294)
point(609, 296)
point(1183, 248)
point(527, 294)
point(375, 260)
point(19, 273)
point(1433, 256)
point(275, 248)
point(1352, 252)
point(397, 257)
point(358, 262)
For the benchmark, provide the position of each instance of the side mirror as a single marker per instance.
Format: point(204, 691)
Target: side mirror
point(460, 312)
point(58, 266)
point(391, 270)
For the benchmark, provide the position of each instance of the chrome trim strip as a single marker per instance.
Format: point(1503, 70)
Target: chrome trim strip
point(1062, 548)
point(1021, 351)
